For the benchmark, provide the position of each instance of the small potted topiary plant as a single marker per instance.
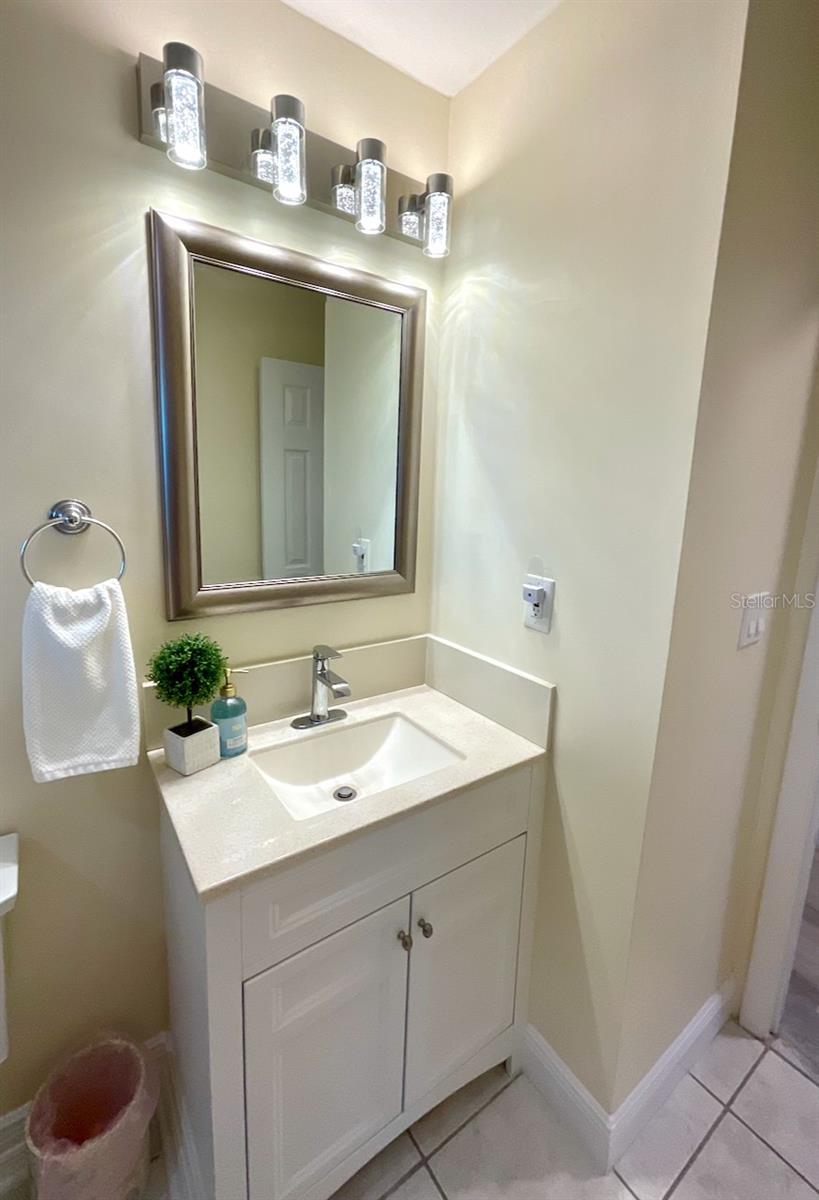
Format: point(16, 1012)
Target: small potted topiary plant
point(187, 672)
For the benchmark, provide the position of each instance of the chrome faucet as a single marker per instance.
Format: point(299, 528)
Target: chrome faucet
point(327, 686)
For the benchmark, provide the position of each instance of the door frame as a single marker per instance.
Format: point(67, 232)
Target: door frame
point(792, 845)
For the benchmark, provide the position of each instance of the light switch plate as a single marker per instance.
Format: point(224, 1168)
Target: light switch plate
point(754, 620)
point(542, 622)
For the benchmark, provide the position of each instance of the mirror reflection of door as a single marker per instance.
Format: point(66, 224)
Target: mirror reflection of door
point(291, 426)
point(297, 419)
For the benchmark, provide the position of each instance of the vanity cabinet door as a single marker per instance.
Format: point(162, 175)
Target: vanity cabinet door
point(324, 1052)
point(462, 980)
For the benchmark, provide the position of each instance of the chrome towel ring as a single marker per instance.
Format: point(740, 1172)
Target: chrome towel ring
point(70, 516)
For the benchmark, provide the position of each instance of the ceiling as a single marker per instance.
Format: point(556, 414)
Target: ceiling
point(443, 43)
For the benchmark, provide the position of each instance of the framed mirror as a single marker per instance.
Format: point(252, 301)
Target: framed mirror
point(289, 394)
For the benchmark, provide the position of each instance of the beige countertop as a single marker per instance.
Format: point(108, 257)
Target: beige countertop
point(232, 828)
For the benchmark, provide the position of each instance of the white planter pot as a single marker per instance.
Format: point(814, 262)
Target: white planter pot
point(194, 752)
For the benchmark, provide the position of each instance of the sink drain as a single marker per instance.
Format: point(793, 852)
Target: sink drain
point(345, 793)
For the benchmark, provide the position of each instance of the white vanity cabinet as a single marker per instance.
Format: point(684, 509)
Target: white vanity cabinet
point(462, 987)
point(324, 1052)
point(327, 1063)
point(321, 1008)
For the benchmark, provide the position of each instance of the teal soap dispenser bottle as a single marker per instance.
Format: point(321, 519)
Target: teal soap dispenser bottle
point(229, 714)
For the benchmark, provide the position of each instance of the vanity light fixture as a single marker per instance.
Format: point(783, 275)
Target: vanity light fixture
point(342, 188)
point(159, 117)
point(172, 119)
point(184, 90)
point(411, 216)
point(437, 215)
point(289, 146)
point(371, 186)
point(262, 158)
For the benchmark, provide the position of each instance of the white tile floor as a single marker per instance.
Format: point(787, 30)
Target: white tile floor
point(744, 1125)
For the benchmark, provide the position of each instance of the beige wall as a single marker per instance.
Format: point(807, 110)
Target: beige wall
point(241, 319)
point(755, 454)
point(591, 165)
point(361, 385)
point(85, 947)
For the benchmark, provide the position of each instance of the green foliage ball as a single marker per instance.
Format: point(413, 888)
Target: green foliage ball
point(188, 671)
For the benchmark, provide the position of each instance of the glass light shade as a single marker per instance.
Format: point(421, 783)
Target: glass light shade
point(185, 106)
point(411, 217)
point(342, 188)
point(410, 224)
point(185, 113)
point(263, 165)
point(159, 119)
point(437, 218)
point(344, 198)
point(289, 145)
point(262, 158)
point(370, 194)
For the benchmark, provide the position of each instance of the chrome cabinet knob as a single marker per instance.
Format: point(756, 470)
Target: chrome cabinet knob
point(406, 940)
point(425, 928)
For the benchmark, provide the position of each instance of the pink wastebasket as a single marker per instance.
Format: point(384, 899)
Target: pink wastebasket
point(87, 1130)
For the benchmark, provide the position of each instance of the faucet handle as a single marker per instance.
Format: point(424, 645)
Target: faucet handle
point(323, 653)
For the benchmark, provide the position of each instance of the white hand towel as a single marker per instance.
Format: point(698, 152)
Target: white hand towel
point(80, 702)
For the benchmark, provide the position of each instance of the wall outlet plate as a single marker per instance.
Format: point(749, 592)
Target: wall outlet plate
point(754, 620)
point(538, 615)
point(361, 554)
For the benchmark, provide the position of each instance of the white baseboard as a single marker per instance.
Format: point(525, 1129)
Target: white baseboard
point(607, 1136)
point(573, 1102)
point(181, 1168)
point(659, 1082)
point(13, 1154)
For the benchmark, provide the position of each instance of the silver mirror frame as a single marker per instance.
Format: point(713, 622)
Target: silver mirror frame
point(176, 243)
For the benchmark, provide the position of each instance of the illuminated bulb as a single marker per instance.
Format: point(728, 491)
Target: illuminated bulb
point(411, 216)
point(159, 118)
point(371, 186)
point(262, 158)
point(342, 188)
point(185, 106)
point(289, 146)
point(437, 215)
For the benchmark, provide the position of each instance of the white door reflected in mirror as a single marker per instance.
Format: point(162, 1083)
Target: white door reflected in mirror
point(291, 465)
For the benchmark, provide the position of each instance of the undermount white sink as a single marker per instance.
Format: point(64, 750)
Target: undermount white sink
point(367, 757)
